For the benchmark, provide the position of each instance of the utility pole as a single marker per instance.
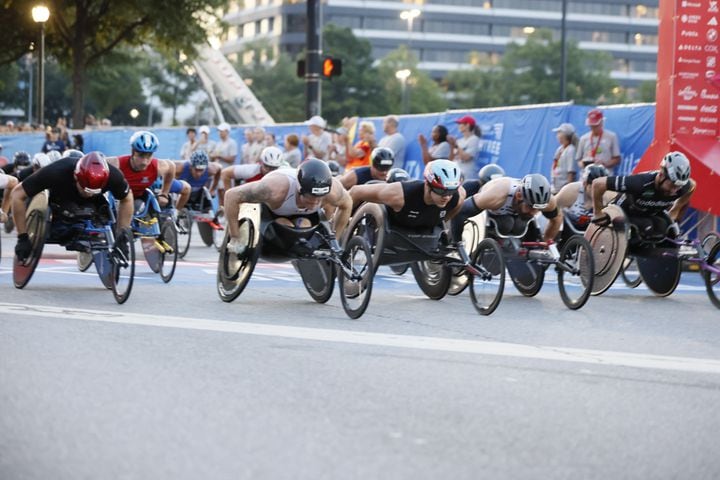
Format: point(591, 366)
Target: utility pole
point(313, 53)
point(563, 53)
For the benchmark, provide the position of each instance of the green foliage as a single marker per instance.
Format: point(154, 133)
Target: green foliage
point(424, 94)
point(11, 95)
point(646, 91)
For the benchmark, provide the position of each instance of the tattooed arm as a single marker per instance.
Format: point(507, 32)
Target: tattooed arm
point(264, 191)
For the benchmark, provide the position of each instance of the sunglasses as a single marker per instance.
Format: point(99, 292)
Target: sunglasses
point(92, 191)
point(442, 192)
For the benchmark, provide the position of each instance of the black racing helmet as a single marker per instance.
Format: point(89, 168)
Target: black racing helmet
point(334, 167)
point(382, 158)
point(21, 159)
point(490, 172)
point(593, 171)
point(72, 153)
point(315, 177)
point(397, 175)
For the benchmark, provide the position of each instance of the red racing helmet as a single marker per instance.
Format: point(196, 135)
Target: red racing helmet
point(92, 173)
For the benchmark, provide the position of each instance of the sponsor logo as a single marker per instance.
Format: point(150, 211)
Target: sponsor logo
point(688, 75)
point(713, 21)
point(711, 48)
point(709, 109)
point(683, 118)
point(708, 120)
point(684, 47)
point(713, 7)
point(704, 131)
point(319, 191)
point(705, 95)
point(691, 4)
point(712, 35)
point(692, 61)
point(683, 130)
point(687, 108)
point(690, 18)
point(687, 93)
point(710, 74)
point(710, 62)
point(689, 33)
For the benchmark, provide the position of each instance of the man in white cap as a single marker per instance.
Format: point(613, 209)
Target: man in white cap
point(226, 149)
point(563, 166)
point(204, 143)
point(317, 144)
point(598, 146)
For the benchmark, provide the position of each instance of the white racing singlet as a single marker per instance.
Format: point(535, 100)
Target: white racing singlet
point(507, 207)
point(289, 206)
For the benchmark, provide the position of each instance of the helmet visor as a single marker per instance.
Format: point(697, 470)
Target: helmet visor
point(443, 192)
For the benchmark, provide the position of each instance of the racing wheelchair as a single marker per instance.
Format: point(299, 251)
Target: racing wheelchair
point(314, 251)
point(527, 258)
point(201, 210)
point(90, 231)
point(659, 256)
point(433, 258)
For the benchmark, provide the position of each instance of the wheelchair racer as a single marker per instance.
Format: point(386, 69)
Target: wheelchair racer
point(576, 198)
point(381, 161)
point(74, 185)
point(513, 203)
point(649, 198)
point(486, 173)
point(7, 183)
point(418, 204)
point(270, 160)
point(198, 172)
point(293, 196)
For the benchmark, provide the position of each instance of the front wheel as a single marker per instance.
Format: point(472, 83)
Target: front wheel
point(168, 259)
point(575, 270)
point(234, 270)
point(36, 229)
point(122, 258)
point(487, 283)
point(432, 277)
point(629, 273)
point(712, 279)
point(355, 277)
point(184, 230)
point(84, 260)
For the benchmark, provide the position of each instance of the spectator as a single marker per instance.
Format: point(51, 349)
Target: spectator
point(246, 146)
point(226, 149)
point(105, 123)
point(393, 140)
point(599, 145)
point(292, 156)
point(53, 141)
point(204, 143)
point(3, 159)
point(90, 120)
point(270, 140)
point(10, 126)
point(465, 149)
point(257, 146)
point(358, 155)
point(317, 144)
point(440, 147)
point(78, 142)
point(563, 167)
point(189, 146)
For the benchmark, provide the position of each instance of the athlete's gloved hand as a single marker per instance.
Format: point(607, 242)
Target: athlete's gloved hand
point(23, 247)
point(601, 220)
point(673, 230)
point(123, 240)
point(236, 246)
point(552, 248)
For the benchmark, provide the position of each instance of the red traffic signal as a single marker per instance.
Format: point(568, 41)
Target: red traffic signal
point(331, 67)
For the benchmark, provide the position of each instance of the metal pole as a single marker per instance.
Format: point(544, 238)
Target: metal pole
point(403, 95)
point(28, 59)
point(313, 105)
point(563, 53)
point(41, 77)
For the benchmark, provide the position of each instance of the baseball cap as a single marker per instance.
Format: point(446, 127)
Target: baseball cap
point(566, 128)
point(594, 117)
point(467, 119)
point(317, 121)
point(224, 126)
point(204, 129)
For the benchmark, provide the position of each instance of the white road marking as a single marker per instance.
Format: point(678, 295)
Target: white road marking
point(11, 311)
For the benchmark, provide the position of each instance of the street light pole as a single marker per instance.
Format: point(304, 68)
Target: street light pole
point(403, 75)
point(563, 53)
point(29, 63)
point(40, 15)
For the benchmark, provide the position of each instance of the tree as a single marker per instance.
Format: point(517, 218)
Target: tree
point(81, 32)
point(477, 87)
point(425, 95)
point(169, 81)
point(646, 91)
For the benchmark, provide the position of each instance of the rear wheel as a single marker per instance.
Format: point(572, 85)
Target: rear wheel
point(712, 279)
point(575, 270)
point(432, 277)
point(206, 233)
point(399, 269)
point(184, 231)
point(486, 288)
point(356, 288)
point(527, 276)
point(169, 235)
point(369, 223)
point(234, 270)
point(36, 229)
point(318, 277)
point(84, 260)
point(122, 258)
point(219, 233)
point(630, 274)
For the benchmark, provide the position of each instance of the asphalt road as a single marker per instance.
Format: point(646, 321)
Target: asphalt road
point(177, 384)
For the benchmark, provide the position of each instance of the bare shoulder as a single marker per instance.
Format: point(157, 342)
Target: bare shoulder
point(568, 194)
point(493, 194)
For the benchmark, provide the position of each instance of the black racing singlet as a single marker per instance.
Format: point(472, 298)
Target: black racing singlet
point(363, 175)
point(416, 213)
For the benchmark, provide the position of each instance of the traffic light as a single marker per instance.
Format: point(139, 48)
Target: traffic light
point(331, 67)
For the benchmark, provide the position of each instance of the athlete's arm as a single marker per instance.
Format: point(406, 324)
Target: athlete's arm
point(19, 197)
point(340, 198)
point(125, 211)
point(555, 220)
point(461, 199)
point(179, 167)
point(227, 175)
point(253, 192)
point(599, 187)
point(166, 169)
point(214, 170)
point(390, 194)
point(493, 195)
point(567, 195)
point(680, 204)
point(349, 179)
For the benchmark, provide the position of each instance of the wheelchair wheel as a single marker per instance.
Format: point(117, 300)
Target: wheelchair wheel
point(629, 273)
point(433, 278)
point(527, 277)
point(709, 241)
point(318, 276)
point(575, 270)
point(184, 231)
point(712, 279)
point(234, 270)
point(206, 233)
point(219, 233)
point(660, 271)
point(37, 230)
point(153, 256)
point(487, 288)
point(399, 269)
point(84, 260)
point(459, 280)
point(355, 292)
point(369, 223)
point(168, 259)
point(123, 268)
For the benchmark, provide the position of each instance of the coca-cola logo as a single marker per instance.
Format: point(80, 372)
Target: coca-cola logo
point(703, 131)
point(706, 95)
point(687, 93)
point(709, 109)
